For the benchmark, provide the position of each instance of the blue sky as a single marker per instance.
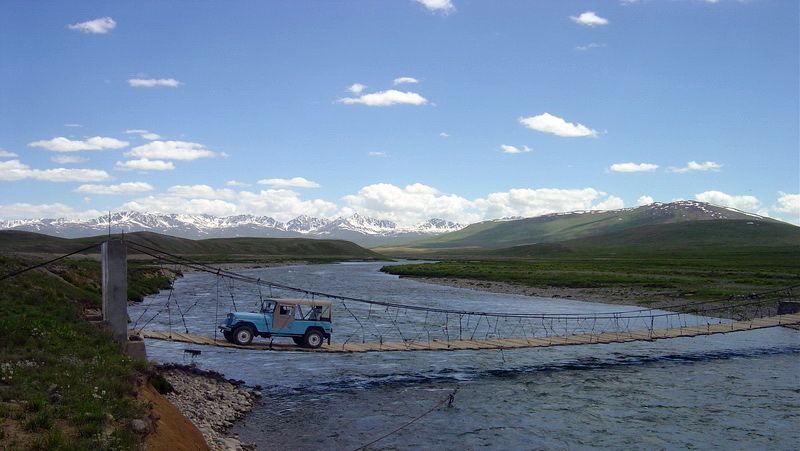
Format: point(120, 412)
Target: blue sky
point(402, 109)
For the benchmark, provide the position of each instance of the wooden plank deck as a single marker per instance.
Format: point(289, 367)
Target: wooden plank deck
point(495, 343)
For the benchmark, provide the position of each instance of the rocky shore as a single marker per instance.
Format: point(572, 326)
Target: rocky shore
point(212, 402)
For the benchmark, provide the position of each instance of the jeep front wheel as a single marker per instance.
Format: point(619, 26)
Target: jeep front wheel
point(313, 338)
point(228, 335)
point(243, 335)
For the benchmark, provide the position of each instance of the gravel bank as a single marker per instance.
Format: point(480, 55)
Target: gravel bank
point(212, 402)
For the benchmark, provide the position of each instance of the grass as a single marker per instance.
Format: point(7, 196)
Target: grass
point(695, 275)
point(64, 384)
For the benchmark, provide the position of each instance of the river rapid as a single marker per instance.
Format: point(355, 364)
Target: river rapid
point(733, 391)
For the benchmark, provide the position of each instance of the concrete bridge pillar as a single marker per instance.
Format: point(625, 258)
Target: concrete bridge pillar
point(115, 296)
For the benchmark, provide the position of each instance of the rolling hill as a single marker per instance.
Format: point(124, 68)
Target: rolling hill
point(560, 227)
point(14, 241)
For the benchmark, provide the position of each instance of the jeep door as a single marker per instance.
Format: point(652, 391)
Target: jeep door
point(282, 317)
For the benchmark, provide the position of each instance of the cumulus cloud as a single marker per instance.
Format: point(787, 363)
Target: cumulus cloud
point(176, 204)
point(150, 136)
point(386, 98)
point(120, 189)
point(357, 88)
point(610, 203)
point(440, 6)
point(444, 135)
point(789, 203)
point(13, 170)
point(590, 19)
point(410, 205)
point(97, 26)
point(745, 203)
point(547, 123)
point(171, 150)
point(61, 144)
point(67, 159)
point(633, 167)
point(534, 202)
point(201, 191)
point(57, 210)
point(294, 182)
point(236, 183)
point(513, 149)
point(283, 204)
point(693, 166)
point(6, 154)
point(401, 80)
point(144, 164)
point(644, 200)
point(153, 82)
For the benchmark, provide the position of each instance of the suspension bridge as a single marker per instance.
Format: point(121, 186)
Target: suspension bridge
point(369, 325)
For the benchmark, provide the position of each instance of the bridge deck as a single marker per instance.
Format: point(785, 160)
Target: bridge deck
point(498, 343)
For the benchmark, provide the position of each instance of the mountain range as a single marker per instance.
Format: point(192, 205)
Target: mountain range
point(359, 229)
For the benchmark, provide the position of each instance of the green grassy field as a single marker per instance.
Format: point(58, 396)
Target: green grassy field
point(699, 260)
point(64, 384)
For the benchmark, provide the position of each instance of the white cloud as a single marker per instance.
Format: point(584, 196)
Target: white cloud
point(201, 191)
point(401, 80)
point(294, 182)
point(12, 170)
point(144, 164)
point(57, 210)
point(120, 189)
point(444, 135)
point(175, 204)
point(589, 46)
point(789, 203)
point(97, 26)
point(171, 150)
point(73, 125)
point(633, 167)
point(67, 159)
point(547, 123)
point(745, 203)
point(357, 88)
point(644, 200)
point(386, 98)
point(235, 183)
point(150, 136)
point(442, 6)
point(513, 149)
point(611, 203)
point(534, 202)
point(589, 18)
point(153, 82)
point(376, 154)
point(61, 144)
point(410, 205)
point(6, 154)
point(693, 166)
point(283, 204)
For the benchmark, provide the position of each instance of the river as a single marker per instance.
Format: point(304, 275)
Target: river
point(734, 391)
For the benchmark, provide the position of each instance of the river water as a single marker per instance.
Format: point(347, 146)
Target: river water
point(733, 391)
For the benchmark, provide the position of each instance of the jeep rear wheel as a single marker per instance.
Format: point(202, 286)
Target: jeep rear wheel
point(313, 338)
point(243, 335)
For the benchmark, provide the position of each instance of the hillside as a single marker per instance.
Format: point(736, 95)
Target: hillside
point(568, 226)
point(29, 242)
point(694, 237)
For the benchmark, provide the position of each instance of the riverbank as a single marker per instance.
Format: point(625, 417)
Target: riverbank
point(605, 295)
point(211, 402)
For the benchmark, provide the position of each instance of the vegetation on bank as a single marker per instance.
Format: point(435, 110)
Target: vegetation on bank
point(679, 275)
point(64, 383)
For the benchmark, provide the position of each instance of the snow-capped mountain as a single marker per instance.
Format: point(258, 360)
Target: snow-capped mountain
point(357, 228)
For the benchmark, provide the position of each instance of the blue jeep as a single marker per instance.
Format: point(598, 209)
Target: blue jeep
point(307, 322)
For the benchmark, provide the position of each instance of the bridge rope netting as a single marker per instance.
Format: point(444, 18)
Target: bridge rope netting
point(366, 323)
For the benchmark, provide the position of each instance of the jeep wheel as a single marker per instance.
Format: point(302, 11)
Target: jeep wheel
point(228, 335)
point(313, 338)
point(299, 341)
point(243, 335)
